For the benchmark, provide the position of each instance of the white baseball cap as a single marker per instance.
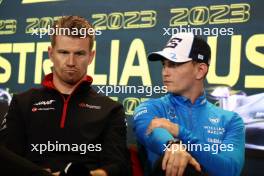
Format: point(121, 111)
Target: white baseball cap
point(184, 47)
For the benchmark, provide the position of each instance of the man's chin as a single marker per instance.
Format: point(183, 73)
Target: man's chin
point(169, 89)
point(172, 91)
point(72, 81)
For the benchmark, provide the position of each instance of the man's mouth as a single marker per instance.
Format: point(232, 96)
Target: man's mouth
point(70, 70)
point(167, 82)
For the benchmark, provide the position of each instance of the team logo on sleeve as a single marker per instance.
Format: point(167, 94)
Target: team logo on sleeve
point(139, 112)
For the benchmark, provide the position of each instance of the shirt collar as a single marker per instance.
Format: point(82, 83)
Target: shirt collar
point(178, 99)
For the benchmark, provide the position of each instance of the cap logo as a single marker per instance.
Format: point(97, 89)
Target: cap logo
point(172, 43)
point(201, 57)
point(173, 56)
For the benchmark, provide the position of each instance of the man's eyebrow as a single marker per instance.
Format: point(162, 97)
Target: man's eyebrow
point(62, 50)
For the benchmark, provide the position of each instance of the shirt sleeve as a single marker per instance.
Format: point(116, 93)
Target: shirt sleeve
point(156, 140)
point(225, 160)
point(12, 164)
point(16, 138)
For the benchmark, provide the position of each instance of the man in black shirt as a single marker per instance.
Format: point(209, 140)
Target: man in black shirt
point(65, 122)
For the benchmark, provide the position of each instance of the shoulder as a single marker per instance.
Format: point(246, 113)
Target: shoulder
point(153, 106)
point(28, 95)
point(151, 103)
point(228, 117)
point(21, 102)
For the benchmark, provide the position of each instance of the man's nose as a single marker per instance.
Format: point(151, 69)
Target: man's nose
point(71, 61)
point(165, 71)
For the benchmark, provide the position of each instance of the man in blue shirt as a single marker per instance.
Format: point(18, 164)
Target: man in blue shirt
point(182, 125)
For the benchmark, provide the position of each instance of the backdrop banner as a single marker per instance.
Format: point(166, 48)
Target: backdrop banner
point(126, 31)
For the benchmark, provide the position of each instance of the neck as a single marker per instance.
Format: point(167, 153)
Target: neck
point(196, 92)
point(64, 87)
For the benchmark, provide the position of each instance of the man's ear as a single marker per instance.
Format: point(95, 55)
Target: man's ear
point(202, 70)
point(50, 52)
point(91, 56)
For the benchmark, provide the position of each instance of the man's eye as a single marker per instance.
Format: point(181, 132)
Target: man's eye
point(63, 52)
point(172, 65)
point(80, 53)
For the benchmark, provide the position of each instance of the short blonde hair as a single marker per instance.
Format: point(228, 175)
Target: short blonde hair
point(70, 22)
